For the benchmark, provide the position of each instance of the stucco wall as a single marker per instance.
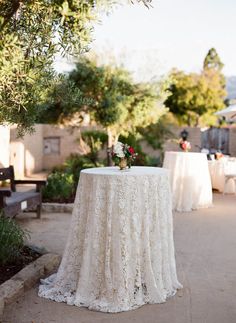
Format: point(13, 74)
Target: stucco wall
point(26, 154)
point(69, 143)
point(194, 137)
point(4, 146)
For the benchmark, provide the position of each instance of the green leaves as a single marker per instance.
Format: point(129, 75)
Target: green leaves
point(212, 61)
point(31, 34)
point(195, 95)
point(108, 95)
point(60, 186)
point(63, 99)
point(11, 240)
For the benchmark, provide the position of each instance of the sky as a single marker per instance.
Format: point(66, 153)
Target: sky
point(174, 33)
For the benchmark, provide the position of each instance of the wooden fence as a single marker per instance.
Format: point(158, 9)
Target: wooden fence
point(216, 139)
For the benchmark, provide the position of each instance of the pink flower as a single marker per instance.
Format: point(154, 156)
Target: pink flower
point(185, 145)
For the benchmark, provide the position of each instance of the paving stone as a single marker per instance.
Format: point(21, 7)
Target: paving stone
point(11, 290)
point(27, 278)
point(30, 275)
point(52, 264)
point(49, 261)
point(2, 303)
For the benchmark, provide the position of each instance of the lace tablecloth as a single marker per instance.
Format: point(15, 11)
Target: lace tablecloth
point(120, 251)
point(190, 180)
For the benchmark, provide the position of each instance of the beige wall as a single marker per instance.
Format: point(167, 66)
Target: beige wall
point(194, 138)
point(147, 149)
point(69, 143)
point(17, 158)
point(26, 154)
point(4, 146)
point(34, 150)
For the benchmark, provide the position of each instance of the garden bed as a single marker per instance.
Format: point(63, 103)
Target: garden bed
point(26, 278)
point(60, 200)
point(57, 207)
point(8, 270)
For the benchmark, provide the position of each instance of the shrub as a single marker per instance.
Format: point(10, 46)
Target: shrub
point(96, 140)
point(74, 164)
point(62, 182)
point(12, 238)
point(60, 187)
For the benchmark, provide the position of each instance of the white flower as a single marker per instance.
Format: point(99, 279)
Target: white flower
point(119, 150)
point(120, 154)
point(118, 147)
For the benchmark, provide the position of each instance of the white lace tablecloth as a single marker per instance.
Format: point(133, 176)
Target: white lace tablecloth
point(190, 180)
point(120, 250)
point(218, 169)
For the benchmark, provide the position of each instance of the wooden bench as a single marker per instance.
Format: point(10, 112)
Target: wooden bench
point(13, 202)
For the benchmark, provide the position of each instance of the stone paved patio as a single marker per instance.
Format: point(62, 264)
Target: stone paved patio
point(206, 259)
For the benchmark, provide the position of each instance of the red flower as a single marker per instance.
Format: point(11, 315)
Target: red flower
point(131, 150)
point(185, 145)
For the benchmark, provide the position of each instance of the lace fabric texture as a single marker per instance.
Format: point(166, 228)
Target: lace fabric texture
point(190, 180)
point(120, 251)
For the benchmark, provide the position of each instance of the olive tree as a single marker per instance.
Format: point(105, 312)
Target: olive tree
point(31, 34)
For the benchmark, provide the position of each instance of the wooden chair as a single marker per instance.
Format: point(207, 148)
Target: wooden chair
point(13, 202)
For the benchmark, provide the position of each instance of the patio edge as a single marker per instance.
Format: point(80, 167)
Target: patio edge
point(15, 287)
point(57, 207)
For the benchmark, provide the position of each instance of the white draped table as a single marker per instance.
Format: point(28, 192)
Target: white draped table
point(190, 180)
point(218, 169)
point(120, 250)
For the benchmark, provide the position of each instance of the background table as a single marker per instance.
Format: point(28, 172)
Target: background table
point(120, 251)
point(218, 169)
point(190, 180)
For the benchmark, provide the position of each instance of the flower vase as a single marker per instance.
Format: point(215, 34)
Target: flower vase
point(123, 163)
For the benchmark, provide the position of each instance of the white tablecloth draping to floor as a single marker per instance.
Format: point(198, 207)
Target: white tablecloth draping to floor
point(190, 180)
point(218, 169)
point(120, 250)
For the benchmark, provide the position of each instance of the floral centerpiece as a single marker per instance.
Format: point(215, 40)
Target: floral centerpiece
point(123, 155)
point(184, 145)
point(218, 155)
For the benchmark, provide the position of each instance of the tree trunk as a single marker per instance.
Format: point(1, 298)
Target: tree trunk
point(189, 121)
point(15, 5)
point(109, 147)
point(112, 140)
point(197, 121)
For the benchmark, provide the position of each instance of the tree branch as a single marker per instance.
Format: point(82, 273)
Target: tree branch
point(9, 11)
